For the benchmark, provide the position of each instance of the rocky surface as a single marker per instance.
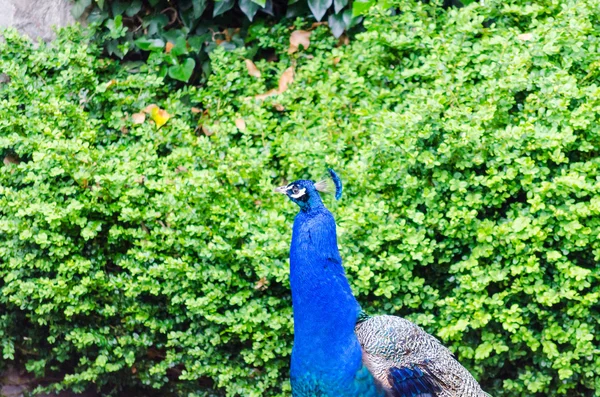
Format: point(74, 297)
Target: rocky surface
point(35, 17)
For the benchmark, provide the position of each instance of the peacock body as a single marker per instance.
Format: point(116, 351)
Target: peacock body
point(338, 350)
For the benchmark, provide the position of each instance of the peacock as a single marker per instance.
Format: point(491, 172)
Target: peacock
point(338, 350)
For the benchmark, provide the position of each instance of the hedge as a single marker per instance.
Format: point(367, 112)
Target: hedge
point(142, 249)
point(136, 29)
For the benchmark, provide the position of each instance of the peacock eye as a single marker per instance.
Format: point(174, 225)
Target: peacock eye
point(295, 190)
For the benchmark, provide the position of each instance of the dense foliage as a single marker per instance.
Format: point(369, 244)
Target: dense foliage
point(176, 36)
point(141, 247)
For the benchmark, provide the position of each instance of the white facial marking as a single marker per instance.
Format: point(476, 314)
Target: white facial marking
point(299, 194)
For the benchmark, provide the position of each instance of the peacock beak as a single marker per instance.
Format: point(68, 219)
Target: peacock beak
point(281, 189)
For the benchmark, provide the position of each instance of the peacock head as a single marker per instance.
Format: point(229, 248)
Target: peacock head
point(305, 193)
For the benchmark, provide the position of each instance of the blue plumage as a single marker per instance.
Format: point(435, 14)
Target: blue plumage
point(337, 182)
point(338, 350)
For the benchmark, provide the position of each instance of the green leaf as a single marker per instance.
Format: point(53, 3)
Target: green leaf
point(319, 7)
point(483, 350)
point(79, 7)
point(199, 7)
point(298, 9)
point(101, 360)
point(97, 15)
point(115, 24)
point(337, 24)
point(249, 8)
point(150, 44)
point(222, 7)
point(361, 7)
point(134, 8)
point(183, 72)
point(339, 5)
point(100, 3)
point(261, 3)
point(196, 42)
point(180, 47)
point(155, 24)
point(119, 7)
point(112, 48)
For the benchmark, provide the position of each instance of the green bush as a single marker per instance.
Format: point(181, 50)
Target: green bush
point(176, 36)
point(135, 256)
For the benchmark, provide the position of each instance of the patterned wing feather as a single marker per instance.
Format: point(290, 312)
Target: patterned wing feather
point(408, 362)
point(412, 382)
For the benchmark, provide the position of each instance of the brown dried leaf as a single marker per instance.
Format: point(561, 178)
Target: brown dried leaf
point(266, 94)
point(169, 46)
point(196, 110)
point(10, 159)
point(138, 118)
point(252, 69)
point(261, 284)
point(279, 107)
point(286, 79)
point(207, 131)
point(525, 37)
point(343, 40)
point(240, 124)
point(155, 353)
point(148, 109)
point(297, 38)
point(336, 61)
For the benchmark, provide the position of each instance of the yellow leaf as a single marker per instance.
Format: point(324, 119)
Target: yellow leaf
point(240, 124)
point(286, 78)
point(299, 37)
point(159, 116)
point(252, 69)
point(138, 118)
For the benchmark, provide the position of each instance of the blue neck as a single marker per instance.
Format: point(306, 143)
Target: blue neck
point(325, 311)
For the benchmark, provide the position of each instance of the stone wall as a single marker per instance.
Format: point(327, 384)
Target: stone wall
point(35, 17)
